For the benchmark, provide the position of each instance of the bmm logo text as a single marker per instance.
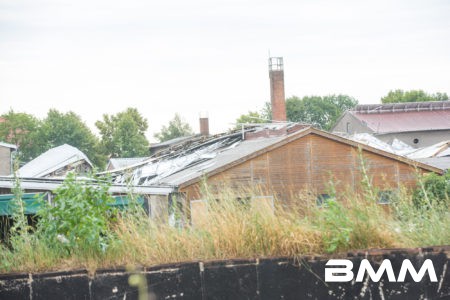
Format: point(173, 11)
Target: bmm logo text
point(345, 274)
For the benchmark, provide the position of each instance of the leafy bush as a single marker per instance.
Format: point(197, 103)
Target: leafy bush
point(433, 188)
point(79, 217)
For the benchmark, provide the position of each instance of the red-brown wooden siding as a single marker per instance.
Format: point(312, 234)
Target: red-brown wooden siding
point(310, 163)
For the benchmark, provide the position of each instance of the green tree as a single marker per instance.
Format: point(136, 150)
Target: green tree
point(319, 111)
point(68, 128)
point(20, 129)
point(123, 134)
point(250, 118)
point(399, 96)
point(176, 128)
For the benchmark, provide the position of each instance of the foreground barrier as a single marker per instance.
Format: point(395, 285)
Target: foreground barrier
point(264, 278)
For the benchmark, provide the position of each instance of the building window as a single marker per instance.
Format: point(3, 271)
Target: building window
point(348, 127)
point(385, 197)
point(323, 199)
point(416, 141)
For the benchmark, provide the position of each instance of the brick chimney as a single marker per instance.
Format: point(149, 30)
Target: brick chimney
point(204, 124)
point(276, 75)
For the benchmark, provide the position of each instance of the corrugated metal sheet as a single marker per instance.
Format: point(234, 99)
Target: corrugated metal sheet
point(117, 163)
point(406, 121)
point(52, 160)
point(437, 150)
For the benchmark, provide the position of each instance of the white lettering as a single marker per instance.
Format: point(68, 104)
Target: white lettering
point(335, 274)
point(417, 276)
point(385, 266)
point(345, 273)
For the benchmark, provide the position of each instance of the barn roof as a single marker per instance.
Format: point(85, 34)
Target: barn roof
point(53, 160)
point(189, 165)
point(404, 117)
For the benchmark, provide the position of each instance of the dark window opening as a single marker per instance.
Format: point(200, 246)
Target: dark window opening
point(416, 141)
point(385, 197)
point(323, 199)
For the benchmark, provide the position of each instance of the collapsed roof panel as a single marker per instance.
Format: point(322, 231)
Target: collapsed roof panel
point(62, 158)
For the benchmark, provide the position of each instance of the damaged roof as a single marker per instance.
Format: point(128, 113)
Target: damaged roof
point(190, 163)
point(117, 163)
point(53, 160)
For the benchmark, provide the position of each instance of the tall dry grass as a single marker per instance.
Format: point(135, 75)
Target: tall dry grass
point(240, 229)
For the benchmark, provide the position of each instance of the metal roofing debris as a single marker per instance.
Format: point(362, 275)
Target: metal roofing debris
point(397, 147)
point(117, 163)
point(53, 160)
point(6, 145)
point(195, 157)
point(172, 141)
point(437, 155)
point(437, 150)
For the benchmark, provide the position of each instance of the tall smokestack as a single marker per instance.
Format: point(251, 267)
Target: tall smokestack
point(276, 75)
point(204, 124)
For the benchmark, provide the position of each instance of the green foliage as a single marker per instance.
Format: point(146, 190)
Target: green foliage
point(319, 111)
point(79, 218)
point(266, 112)
point(20, 224)
point(20, 129)
point(433, 188)
point(399, 96)
point(123, 134)
point(67, 128)
point(335, 222)
point(250, 118)
point(176, 128)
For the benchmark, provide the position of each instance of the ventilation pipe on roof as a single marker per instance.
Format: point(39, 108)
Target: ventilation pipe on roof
point(204, 124)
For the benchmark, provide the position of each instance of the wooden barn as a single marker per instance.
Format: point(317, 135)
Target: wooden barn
point(279, 161)
point(310, 160)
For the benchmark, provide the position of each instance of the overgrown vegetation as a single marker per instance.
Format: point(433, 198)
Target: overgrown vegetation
point(82, 231)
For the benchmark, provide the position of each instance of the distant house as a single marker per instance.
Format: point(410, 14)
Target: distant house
point(418, 124)
point(57, 162)
point(281, 161)
point(6, 158)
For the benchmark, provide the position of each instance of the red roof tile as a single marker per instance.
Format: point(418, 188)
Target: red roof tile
point(406, 121)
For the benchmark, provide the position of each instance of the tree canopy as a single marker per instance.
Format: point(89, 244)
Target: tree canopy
point(319, 111)
point(35, 136)
point(176, 128)
point(250, 117)
point(123, 134)
point(399, 96)
point(20, 129)
point(67, 128)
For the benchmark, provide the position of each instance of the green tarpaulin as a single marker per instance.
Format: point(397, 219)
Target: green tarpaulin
point(32, 202)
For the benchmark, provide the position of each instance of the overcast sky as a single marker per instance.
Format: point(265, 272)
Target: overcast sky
point(162, 57)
